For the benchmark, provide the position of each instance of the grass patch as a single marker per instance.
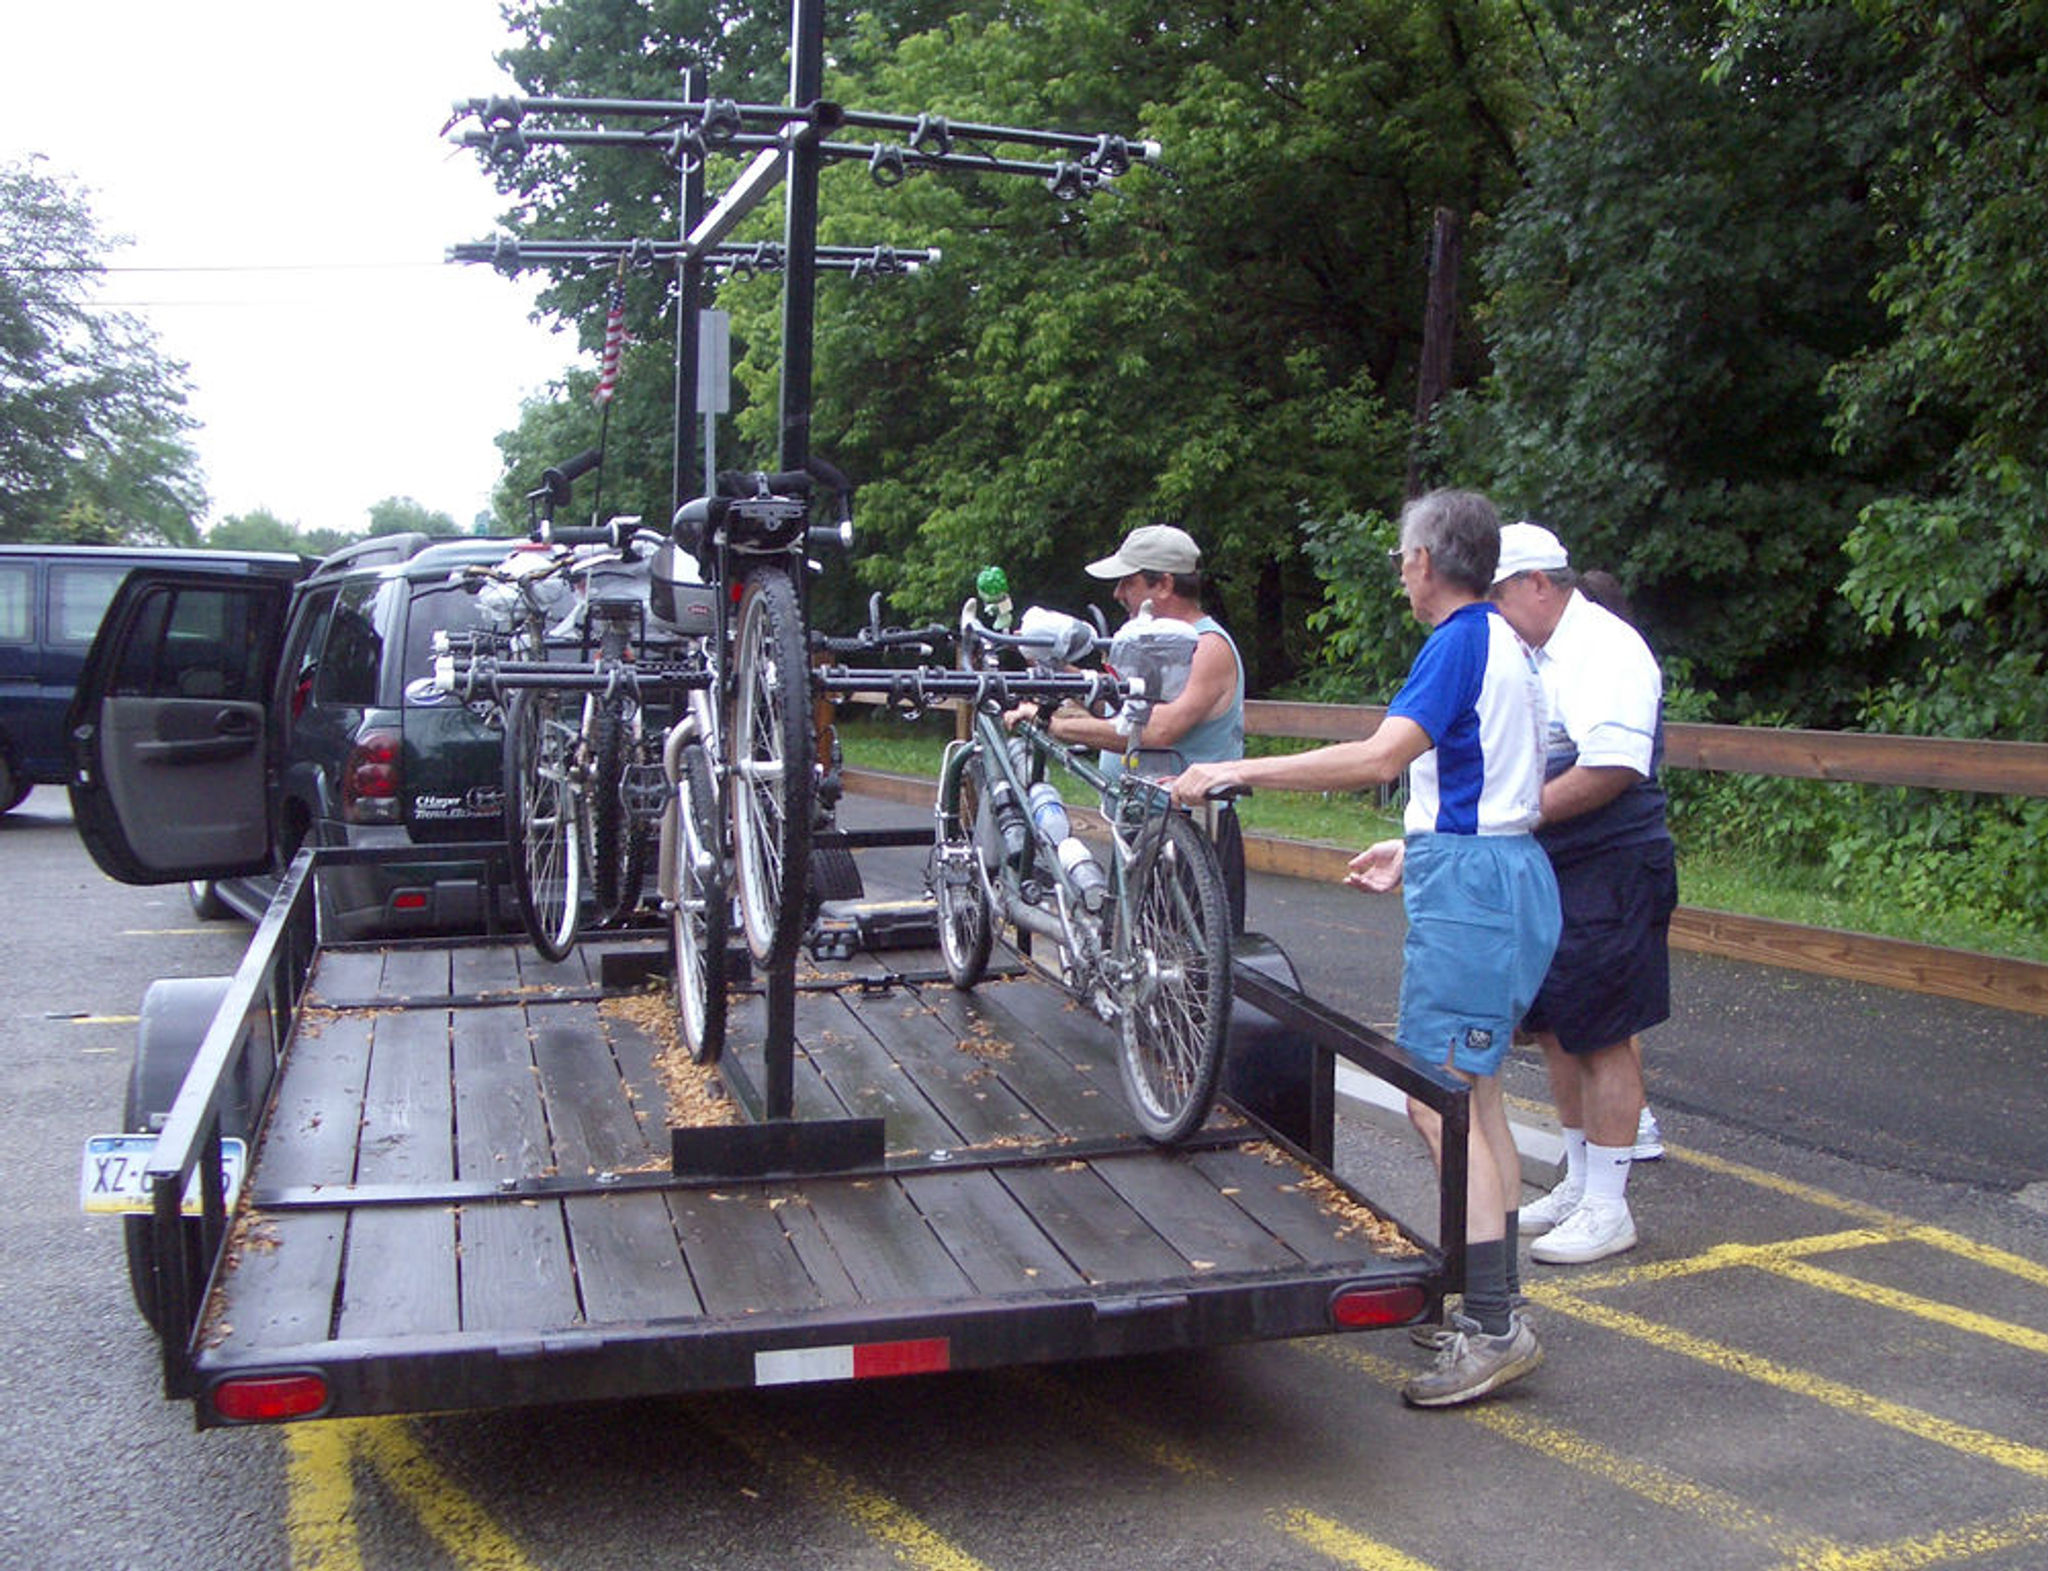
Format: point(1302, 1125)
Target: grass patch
point(1718, 881)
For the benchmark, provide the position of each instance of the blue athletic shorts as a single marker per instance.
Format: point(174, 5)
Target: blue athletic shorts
point(1612, 975)
point(1482, 923)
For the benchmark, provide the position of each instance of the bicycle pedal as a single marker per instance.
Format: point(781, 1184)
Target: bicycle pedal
point(644, 788)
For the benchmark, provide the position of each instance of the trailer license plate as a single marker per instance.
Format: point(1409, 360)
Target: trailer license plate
point(114, 1176)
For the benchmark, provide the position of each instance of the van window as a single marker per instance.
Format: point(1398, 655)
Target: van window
point(192, 643)
point(79, 595)
point(17, 584)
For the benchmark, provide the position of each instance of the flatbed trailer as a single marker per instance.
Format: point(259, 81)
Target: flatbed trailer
point(480, 1180)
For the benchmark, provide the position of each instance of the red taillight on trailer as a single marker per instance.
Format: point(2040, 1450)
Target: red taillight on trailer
point(260, 1399)
point(1358, 1307)
point(369, 780)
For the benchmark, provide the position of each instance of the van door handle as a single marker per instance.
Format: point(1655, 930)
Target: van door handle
point(237, 723)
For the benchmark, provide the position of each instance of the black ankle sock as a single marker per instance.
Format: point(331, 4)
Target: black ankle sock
point(1513, 1246)
point(1486, 1286)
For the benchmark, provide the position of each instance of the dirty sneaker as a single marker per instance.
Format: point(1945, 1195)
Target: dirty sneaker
point(1433, 1334)
point(1649, 1138)
point(1471, 1363)
point(1539, 1216)
point(1593, 1232)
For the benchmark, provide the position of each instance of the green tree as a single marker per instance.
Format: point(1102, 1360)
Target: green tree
point(92, 417)
point(397, 515)
point(1694, 249)
point(263, 530)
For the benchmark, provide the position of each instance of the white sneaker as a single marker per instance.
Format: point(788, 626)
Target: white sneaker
point(1593, 1232)
point(1649, 1138)
point(1539, 1216)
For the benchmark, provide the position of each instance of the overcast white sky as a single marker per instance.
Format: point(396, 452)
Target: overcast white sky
point(336, 359)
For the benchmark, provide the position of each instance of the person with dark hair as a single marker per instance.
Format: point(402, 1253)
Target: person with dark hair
point(1467, 726)
point(1604, 831)
point(1204, 722)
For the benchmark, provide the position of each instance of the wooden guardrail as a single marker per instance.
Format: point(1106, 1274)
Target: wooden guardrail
point(1850, 757)
point(1938, 763)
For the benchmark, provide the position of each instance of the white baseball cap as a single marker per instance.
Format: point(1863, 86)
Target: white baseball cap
point(1529, 548)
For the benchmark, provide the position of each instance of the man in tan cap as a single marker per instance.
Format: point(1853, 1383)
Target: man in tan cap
point(1205, 723)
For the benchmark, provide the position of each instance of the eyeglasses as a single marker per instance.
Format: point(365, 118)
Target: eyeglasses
point(1398, 555)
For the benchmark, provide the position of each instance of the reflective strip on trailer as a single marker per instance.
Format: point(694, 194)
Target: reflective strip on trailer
point(852, 1361)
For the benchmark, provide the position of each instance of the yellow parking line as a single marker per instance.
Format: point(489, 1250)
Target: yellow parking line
point(1910, 1304)
point(320, 1509)
point(1976, 1443)
point(1098, 1418)
point(1343, 1545)
point(914, 1541)
point(1723, 1257)
point(1325, 1535)
point(462, 1528)
point(1714, 1507)
point(1902, 1227)
point(320, 1499)
point(1949, 1546)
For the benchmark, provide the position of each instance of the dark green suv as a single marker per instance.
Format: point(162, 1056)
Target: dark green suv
point(352, 745)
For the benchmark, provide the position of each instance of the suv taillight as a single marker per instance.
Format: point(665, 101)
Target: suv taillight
point(369, 780)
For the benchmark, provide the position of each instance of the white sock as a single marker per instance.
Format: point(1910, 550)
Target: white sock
point(1574, 1157)
point(1607, 1173)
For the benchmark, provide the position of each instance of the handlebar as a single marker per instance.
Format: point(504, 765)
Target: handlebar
point(876, 637)
point(556, 480)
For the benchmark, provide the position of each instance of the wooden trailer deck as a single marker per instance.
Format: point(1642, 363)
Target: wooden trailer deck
point(468, 1162)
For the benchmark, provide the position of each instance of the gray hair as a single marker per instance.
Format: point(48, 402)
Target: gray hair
point(1461, 532)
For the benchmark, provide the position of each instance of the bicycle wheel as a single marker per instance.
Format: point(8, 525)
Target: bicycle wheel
point(702, 911)
point(772, 766)
point(966, 925)
point(1173, 945)
point(541, 819)
point(618, 839)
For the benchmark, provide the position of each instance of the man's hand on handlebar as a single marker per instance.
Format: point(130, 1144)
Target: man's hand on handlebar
point(1198, 783)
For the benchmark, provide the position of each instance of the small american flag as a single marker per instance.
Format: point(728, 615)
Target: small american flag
point(614, 346)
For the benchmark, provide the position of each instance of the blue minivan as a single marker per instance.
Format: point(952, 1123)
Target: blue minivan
point(51, 600)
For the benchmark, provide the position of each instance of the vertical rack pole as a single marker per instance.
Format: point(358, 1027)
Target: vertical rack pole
point(800, 234)
point(799, 287)
point(689, 299)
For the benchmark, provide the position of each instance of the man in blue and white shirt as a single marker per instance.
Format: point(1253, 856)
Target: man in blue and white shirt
point(1467, 725)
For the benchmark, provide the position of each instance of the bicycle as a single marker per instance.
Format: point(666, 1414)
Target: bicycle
point(742, 761)
point(1146, 942)
point(581, 791)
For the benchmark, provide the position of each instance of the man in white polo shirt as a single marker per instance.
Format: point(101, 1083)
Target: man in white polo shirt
point(1603, 828)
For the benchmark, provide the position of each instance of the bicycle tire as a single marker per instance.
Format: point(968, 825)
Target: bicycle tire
point(958, 885)
point(1173, 1009)
point(772, 764)
point(618, 840)
point(702, 918)
point(541, 821)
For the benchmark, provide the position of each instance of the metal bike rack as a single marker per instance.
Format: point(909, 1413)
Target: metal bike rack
point(790, 143)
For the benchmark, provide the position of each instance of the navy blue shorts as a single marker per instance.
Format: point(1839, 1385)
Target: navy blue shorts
point(1611, 977)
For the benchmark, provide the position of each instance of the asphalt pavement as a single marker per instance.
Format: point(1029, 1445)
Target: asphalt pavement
point(1827, 1350)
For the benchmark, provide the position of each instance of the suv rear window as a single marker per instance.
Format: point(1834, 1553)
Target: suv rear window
point(435, 608)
